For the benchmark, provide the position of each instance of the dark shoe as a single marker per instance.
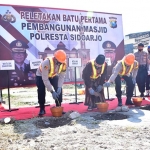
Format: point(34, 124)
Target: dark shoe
point(142, 95)
point(119, 102)
point(128, 101)
point(63, 113)
point(42, 112)
point(90, 108)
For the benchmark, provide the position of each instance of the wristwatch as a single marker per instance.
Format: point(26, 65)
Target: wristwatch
point(51, 91)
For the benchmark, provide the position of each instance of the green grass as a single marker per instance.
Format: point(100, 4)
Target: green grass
point(16, 99)
point(5, 96)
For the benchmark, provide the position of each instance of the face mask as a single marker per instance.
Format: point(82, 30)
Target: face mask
point(140, 50)
point(58, 63)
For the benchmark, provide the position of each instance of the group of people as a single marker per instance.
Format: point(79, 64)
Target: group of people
point(133, 68)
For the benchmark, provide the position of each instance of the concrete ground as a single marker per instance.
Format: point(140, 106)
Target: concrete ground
point(83, 133)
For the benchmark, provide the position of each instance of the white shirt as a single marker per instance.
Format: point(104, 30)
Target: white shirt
point(18, 66)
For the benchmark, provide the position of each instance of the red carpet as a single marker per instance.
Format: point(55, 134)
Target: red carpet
point(31, 112)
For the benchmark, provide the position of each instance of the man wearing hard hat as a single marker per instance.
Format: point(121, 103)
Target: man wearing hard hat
point(51, 74)
point(127, 69)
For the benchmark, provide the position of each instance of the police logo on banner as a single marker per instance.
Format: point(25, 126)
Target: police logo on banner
point(113, 22)
point(8, 17)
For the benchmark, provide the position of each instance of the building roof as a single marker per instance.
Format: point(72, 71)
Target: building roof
point(61, 46)
point(47, 48)
point(137, 33)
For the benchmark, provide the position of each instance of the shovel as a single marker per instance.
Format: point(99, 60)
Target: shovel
point(100, 96)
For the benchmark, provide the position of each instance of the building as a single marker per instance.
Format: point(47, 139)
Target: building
point(128, 48)
point(132, 40)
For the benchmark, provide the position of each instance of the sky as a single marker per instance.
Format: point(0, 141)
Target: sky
point(135, 13)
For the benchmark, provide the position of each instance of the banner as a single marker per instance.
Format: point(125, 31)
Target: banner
point(30, 33)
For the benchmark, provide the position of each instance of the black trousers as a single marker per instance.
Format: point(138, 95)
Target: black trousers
point(42, 91)
point(148, 82)
point(141, 78)
point(129, 86)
